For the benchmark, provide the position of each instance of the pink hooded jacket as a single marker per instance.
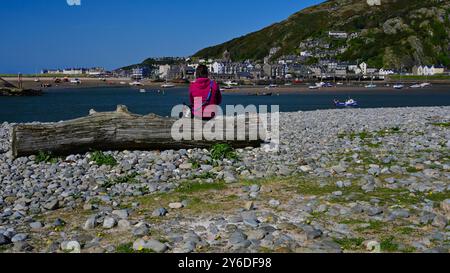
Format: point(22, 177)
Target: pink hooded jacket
point(200, 89)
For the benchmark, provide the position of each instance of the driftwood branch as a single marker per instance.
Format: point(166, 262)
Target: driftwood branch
point(111, 131)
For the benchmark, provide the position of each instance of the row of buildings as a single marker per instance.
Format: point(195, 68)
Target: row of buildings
point(95, 71)
point(284, 69)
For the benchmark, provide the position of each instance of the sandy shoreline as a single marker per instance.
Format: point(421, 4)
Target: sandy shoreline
point(29, 83)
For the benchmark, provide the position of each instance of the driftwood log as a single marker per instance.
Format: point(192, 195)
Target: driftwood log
point(111, 131)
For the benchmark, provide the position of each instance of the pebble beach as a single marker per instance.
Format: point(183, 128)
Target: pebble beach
point(352, 180)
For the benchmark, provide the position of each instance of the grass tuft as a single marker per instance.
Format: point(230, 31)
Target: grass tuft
point(46, 157)
point(223, 151)
point(101, 159)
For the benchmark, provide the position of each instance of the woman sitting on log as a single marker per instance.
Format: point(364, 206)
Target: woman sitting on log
point(204, 95)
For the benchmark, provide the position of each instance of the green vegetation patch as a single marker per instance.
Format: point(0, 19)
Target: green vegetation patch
point(350, 243)
point(128, 248)
point(199, 187)
point(388, 244)
point(442, 124)
point(223, 151)
point(101, 159)
point(46, 157)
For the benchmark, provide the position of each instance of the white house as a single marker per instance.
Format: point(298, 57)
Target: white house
point(427, 70)
point(374, 2)
point(73, 71)
point(218, 68)
point(385, 72)
point(363, 67)
point(338, 34)
point(97, 71)
point(164, 71)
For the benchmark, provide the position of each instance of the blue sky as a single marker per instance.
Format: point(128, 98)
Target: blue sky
point(40, 34)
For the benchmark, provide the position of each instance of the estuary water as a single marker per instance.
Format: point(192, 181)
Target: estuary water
point(64, 104)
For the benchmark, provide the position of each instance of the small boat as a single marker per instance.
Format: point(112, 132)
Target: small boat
point(231, 83)
point(398, 86)
point(371, 86)
point(168, 85)
point(143, 91)
point(313, 87)
point(348, 103)
point(123, 83)
point(75, 81)
point(136, 83)
point(421, 85)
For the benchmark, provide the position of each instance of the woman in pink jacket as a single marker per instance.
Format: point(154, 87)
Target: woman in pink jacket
point(204, 95)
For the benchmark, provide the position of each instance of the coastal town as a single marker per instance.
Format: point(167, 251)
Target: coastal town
point(292, 68)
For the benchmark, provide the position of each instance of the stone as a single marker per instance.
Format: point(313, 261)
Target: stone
point(427, 218)
point(141, 230)
point(375, 171)
point(152, 245)
point(305, 169)
point(373, 246)
point(20, 237)
point(274, 203)
point(312, 233)
point(374, 211)
point(123, 224)
point(4, 240)
point(338, 169)
point(440, 221)
point(109, 223)
point(237, 237)
point(71, 247)
point(255, 188)
point(229, 177)
point(445, 206)
point(22, 247)
point(156, 246)
point(159, 212)
point(249, 206)
point(252, 222)
point(88, 207)
point(401, 213)
point(186, 166)
point(177, 205)
point(52, 205)
point(122, 214)
point(258, 234)
point(36, 225)
point(90, 223)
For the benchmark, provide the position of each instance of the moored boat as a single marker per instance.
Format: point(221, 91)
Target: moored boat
point(136, 83)
point(398, 86)
point(371, 86)
point(347, 103)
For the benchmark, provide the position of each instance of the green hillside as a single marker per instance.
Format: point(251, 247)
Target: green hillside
point(393, 34)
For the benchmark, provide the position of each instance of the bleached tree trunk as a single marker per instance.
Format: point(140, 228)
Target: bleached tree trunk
point(110, 131)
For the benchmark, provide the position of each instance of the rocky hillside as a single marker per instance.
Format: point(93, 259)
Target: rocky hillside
point(387, 33)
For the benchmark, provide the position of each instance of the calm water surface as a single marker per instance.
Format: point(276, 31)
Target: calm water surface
point(65, 104)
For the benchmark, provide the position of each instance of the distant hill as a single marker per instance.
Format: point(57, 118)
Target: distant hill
point(392, 34)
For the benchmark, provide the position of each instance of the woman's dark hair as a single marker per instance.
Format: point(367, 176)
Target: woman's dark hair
point(202, 71)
